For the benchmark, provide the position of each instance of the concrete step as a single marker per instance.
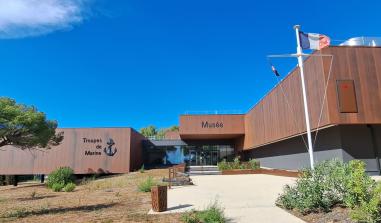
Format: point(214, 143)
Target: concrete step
point(203, 168)
point(209, 172)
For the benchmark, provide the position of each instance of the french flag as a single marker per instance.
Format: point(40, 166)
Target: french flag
point(313, 41)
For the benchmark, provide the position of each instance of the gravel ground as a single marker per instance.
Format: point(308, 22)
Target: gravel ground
point(111, 199)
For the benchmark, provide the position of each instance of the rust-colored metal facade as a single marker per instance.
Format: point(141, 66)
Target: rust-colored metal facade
point(363, 66)
point(85, 150)
point(272, 119)
point(279, 115)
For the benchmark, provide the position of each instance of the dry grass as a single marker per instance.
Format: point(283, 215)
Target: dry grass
point(110, 199)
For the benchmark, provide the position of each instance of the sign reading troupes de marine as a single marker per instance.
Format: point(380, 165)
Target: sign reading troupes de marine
point(95, 147)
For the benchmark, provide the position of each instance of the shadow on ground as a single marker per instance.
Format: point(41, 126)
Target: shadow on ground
point(22, 186)
point(35, 198)
point(179, 207)
point(22, 213)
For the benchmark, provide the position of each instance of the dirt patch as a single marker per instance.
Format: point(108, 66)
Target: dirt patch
point(109, 199)
point(338, 214)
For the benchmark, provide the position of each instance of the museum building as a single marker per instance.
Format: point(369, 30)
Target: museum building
point(344, 99)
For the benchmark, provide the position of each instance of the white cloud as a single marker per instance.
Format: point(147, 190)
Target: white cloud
point(23, 18)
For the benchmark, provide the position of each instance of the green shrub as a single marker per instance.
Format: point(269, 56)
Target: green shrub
point(223, 165)
point(236, 163)
point(142, 169)
point(146, 185)
point(254, 164)
point(57, 187)
point(359, 185)
point(69, 187)
point(17, 213)
point(213, 214)
point(332, 182)
point(62, 175)
point(369, 211)
point(289, 197)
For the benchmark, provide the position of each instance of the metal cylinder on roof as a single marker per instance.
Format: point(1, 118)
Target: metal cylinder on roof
point(362, 41)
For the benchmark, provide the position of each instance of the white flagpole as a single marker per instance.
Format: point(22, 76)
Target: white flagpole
point(306, 115)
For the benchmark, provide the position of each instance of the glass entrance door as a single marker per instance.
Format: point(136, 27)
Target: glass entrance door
point(203, 157)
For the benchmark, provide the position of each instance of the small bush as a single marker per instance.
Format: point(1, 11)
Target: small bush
point(33, 194)
point(17, 213)
point(223, 165)
point(146, 185)
point(254, 164)
point(69, 187)
point(57, 187)
point(369, 211)
point(289, 198)
point(62, 175)
point(236, 164)
point(330, 183)
point(85, 181)
point(142, 169)
point(214, 214)
point(359, 185)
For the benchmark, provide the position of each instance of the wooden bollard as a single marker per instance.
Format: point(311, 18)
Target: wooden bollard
point(159, 198)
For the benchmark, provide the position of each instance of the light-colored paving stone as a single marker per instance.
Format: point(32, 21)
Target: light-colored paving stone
point(245, 198)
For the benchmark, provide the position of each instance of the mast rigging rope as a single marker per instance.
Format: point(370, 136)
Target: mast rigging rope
point(286, 99)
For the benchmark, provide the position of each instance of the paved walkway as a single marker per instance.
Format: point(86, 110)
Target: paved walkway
point(245, 198)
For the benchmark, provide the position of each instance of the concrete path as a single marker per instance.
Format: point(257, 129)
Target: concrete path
point(245, 198)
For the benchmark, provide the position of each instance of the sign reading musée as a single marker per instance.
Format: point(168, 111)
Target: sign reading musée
point(95, 147)
point(211, 125)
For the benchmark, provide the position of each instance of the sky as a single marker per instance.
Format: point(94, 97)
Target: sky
point(133, 63)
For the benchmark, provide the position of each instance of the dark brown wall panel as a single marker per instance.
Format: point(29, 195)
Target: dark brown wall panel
point(72, 152)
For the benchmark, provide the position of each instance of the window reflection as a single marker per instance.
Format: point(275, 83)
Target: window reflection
point(191, 155)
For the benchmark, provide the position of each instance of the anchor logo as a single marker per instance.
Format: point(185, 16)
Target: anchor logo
point(109, 150)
